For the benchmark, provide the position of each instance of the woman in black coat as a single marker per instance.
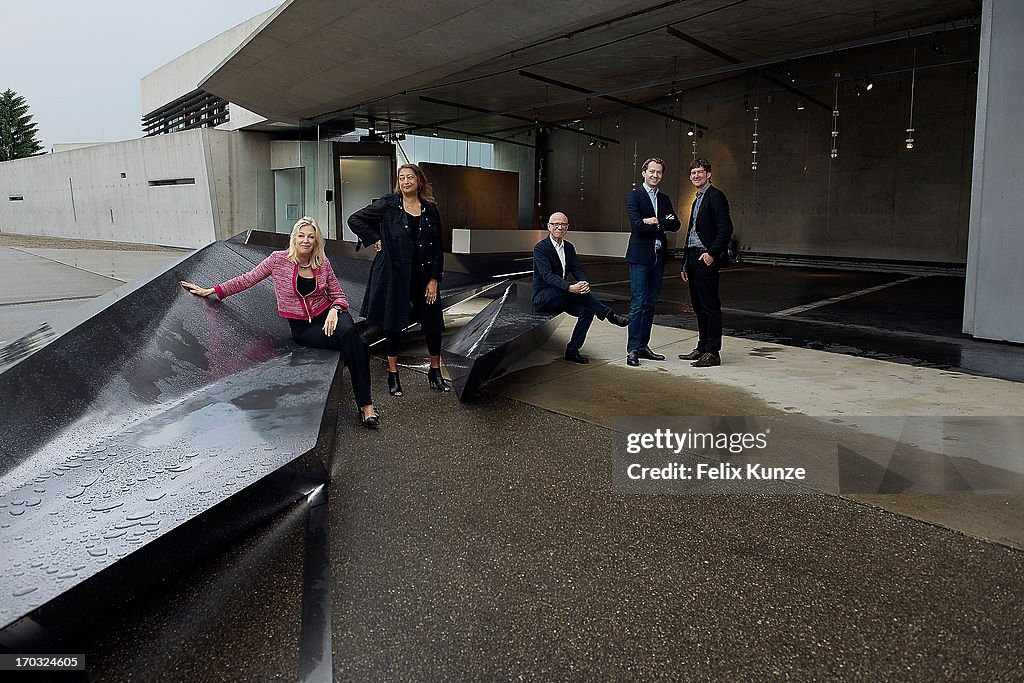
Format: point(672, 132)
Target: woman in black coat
point(405, 229)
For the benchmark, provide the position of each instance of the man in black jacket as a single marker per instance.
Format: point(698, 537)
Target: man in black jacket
point(554, 261)
point(650, 215)
point(706, 253)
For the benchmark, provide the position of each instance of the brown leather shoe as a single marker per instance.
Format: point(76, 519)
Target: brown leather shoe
point(692, 355)
point(708, 360)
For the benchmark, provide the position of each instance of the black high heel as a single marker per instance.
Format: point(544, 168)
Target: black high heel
point(437, 381)
point(394, 385)
point(369, 421)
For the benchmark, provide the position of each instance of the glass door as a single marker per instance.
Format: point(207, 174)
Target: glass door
point(362, 179)
point(288, 199)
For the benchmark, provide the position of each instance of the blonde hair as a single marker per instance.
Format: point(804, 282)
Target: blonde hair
point(318, 249)
point(423, 189)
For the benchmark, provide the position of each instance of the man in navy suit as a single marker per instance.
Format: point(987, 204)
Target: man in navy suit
point(554, 261)
point(650, 216)
point(706, 253)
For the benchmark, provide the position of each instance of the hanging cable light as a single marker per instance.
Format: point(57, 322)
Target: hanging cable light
point(913, 81)
point(753, 153)
point(835, 118)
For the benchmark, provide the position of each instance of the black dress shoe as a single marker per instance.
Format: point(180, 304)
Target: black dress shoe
point(708, 360)
point(647, 354)
point(632, 360)
point(369, 421)
point(616, 319)
point(394, 385)
point(576, 357)
point(437, 381)
point(692, 355)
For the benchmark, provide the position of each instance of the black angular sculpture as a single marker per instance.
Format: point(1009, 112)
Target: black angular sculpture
point(160, 426)
point(156, 428)
point(503, 333)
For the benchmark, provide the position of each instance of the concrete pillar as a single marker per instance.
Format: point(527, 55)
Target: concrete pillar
point(994, 298)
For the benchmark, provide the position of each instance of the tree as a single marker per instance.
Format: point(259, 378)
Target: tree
point(17, 132)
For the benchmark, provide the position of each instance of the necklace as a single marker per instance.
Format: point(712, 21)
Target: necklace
point(305, 266)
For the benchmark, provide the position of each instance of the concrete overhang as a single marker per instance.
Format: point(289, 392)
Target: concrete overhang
point(496, 67)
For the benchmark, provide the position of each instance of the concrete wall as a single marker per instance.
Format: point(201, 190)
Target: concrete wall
point(877, 200)
point(81, 193)
point(590, 184)
point(242, 186)
point(183, 74)
point(995, 260)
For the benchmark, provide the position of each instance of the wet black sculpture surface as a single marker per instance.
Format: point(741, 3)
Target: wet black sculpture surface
point(498, 337)
point(162, 425)
point(159, 410)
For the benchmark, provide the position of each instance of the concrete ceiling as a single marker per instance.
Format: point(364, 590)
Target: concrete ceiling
point(492, 67)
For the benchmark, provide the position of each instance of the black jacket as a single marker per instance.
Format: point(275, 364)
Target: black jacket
point(642, 236)
point(388, 303)
point(550, 289)
point(714, 226)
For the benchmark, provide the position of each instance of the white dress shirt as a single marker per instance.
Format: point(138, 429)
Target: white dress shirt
point(560, 250)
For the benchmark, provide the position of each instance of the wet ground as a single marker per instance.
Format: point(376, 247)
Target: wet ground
point(484, 541)
point(911, 319)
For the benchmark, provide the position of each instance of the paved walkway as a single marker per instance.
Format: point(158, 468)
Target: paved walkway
point(485, 541)
point(46, 284)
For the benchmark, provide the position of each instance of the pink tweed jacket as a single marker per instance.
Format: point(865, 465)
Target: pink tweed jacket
point(290, 304)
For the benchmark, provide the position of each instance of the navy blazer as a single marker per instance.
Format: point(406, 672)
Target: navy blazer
point(550, 289)
point(713, 225)
point(640, 249)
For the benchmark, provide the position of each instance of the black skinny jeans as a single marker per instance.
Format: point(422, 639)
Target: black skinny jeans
point(345, 339)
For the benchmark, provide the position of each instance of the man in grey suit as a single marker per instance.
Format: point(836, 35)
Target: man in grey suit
point(554, 263)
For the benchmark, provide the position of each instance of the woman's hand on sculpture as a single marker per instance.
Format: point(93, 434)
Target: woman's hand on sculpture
point(196, 289)
point(431, 296)
point(331, 322)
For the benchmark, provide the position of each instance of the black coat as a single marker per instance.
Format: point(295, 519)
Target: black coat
point(713, 225)
point(388, 302)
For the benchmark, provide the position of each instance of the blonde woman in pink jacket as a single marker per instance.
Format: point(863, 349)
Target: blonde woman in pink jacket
point(309, 297)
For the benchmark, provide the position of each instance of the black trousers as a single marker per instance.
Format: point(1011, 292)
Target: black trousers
point(703, 281)
point(345, 339)
point(392, 340)
point(584, 307)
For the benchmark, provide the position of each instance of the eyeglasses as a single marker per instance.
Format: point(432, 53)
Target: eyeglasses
point(556, 226)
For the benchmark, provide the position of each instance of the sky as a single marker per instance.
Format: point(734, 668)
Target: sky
point(78, 64)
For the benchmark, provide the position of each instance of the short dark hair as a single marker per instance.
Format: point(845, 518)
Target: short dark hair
point(653, 160)
point(701, 163)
